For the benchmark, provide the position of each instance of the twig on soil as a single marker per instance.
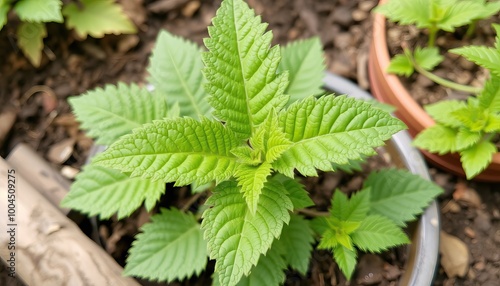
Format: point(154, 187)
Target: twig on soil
point(192, 200)
point(313, 213)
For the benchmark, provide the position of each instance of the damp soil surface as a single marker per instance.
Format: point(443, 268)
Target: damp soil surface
point(34, 110)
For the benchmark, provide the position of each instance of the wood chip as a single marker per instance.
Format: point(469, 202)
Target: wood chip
point(61, 151)
point(454, 255)
point(466, 195)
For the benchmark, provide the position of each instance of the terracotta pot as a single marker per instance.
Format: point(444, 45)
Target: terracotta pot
point(389, 89)
point(424, 249)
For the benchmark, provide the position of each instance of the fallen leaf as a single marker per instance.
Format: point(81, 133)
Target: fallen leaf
point(454, 255)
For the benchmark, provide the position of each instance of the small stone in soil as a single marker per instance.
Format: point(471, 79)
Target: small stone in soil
point(391, 272)
point(470, 232)
point(370, 269)
point(483, 221)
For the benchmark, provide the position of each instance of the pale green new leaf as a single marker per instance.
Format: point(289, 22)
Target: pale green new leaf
point(113, 111)
point(30, 40)
point(407, 12)
point(401, 65)
point(459, 13)
point(346, 260)
point(236, 237)
point(270, 139)
point(489, 8)
point(175, 70)
point(97, 18)
point(4, 10)
point(331, 130)
point(241, 69)
point(170, 247)
point(466, 138)
point(39, 11)
point(269, 270)
point(493, 124)
point(399, 195)
point(477, 158)
point(441, 112)
point(377, 233)
point(354, 209)
point(427, 58)
point(297, 239)
point(472, 117)
point(101, 191)
point(484, 56)
point(340, 205)
point(181, 150)
point(251, 179)
point(305, 64)
point(489, 98)
point(437, 139)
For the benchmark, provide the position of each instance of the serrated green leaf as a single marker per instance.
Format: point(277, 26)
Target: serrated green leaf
point(101, 191)
point(251, 179)
point(236, 237)
point(30, 40)
point(377, 233)
point(441, 112)
point(170, 247)
point(247, 155)
point(4, 10)
point(427, 58)
point(381, 105)
point(399, 195)
point(346, 260)
point(437, 139)
point(113, 111)
point(338, 232)
point(297, 238)
point(497, 38)
point(319, 225)
point(401, 65)
point(340, 205)
point(354, 209)
point(489, 98)
point(97, 18)
point(241, 69)
point(181, 150)
point(488, 8)
point(269, 270)
point(296, 192)
point(305, 64)
point(407, 12)
point(39, 11)
point(269, 138)
point(484, 56)
point(467, 138)
point(472, 117)
point(476, 158)
point(331, 130)
point(493, 124)
point(459, 13)
point(175, 70)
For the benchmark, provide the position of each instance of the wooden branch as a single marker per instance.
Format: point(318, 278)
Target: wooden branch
point(50, 249)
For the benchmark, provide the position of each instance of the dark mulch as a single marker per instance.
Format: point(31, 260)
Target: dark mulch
point(71, 67)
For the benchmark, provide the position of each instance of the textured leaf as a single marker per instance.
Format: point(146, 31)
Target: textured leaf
point(401, 65)
point(493, 124)
point(346, 259)
point(110, 112)
point(101, 191)
point(338, 232)
point(236, 238)
point(39, 11)
point(241, 69)
point(407, 12)
point(170, 247)
point(297, 239)
point(490, 96)
point(467, 138)
point(305, 64)
point(319, 225)
point(30, 40)
point(296, 192)
point(181, 150)
point(459, 13)
point(484, 56)
point(340, 205)
point(472, 116)
point(4, 9)
point(268, 271)
point(399, 195)
point(251, 179)
point(355, 209)
point(477, 158)
point(97, 18)
point(441, 112)
point(331, 130)
point(377, 233)
point(437, 139)
point(175, 70)
point(488, 8)
point(427, 58)
point(269, 138)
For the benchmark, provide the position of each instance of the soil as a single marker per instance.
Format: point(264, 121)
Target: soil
point(38, 99)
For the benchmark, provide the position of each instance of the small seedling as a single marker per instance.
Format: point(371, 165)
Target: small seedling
point(250, 122)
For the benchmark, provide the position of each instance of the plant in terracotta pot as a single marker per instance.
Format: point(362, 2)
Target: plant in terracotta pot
point(389, 88)
point(239, 123)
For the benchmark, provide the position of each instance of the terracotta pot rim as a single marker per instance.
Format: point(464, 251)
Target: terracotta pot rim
point(411, 109)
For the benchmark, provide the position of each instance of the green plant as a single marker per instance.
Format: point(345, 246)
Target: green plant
point(240, 140)
point(87, 17)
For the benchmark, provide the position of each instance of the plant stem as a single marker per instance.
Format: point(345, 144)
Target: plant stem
point(313, 213)
point(432, 36)
point(470, 30)
point(191, 201)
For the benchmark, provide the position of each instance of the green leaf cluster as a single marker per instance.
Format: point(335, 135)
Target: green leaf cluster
point(224, 118)
point(467, 128)
point(88, 17)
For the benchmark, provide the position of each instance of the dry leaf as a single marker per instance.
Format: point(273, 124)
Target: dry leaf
point(454, 255)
